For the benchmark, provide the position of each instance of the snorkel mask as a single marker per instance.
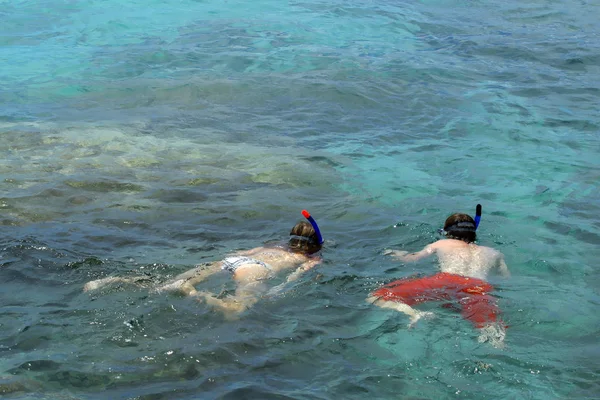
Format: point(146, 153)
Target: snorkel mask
point(310, 219)
point(464, 226)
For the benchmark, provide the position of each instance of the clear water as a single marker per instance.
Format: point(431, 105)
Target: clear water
point(148, 136)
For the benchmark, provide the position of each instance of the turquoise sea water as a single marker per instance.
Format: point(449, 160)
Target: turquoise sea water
point(149, 136)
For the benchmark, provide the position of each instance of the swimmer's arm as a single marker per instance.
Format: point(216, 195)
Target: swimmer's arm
point(293, 276)
point(302, 269)
point(408, 257)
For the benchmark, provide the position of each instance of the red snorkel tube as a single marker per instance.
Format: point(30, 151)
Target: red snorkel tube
point(314, 225)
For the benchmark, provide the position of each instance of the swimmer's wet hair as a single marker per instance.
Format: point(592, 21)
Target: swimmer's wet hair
point(461, 227)
point(304, 239)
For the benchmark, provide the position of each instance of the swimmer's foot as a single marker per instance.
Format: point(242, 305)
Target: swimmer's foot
point(418, 315)
point(494, 334)
point(180, 286)
point(140, 281)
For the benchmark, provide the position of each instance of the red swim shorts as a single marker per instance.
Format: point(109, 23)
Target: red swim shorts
point(476, 304)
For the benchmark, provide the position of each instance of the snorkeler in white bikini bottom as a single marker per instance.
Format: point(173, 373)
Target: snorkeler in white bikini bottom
point(250, 269)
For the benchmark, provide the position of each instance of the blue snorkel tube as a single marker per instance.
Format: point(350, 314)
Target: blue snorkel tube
point(310, 219)
point(477, 215)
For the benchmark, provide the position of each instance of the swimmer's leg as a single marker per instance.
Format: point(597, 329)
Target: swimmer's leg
point(246, 295)
point(400, 295)
point(482, 310)
point(100, 283)
point(230, 307)
point(184, 283)
point(404, 308)
point(201, 272)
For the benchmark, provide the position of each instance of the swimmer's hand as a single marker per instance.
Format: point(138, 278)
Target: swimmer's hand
point(276, 290)
point(397, 254)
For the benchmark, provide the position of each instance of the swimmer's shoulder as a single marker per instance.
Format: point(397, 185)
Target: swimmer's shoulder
point(490, 251)
point(487, 249)
point(446, 244)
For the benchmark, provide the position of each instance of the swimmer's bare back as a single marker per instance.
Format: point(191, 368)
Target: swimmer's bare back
point(277, 258)
point(468, 259)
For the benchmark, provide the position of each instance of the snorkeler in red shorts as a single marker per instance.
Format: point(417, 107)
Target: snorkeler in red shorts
point(464, 266)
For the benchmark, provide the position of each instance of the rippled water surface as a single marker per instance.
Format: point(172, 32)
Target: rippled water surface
point(150, 136)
